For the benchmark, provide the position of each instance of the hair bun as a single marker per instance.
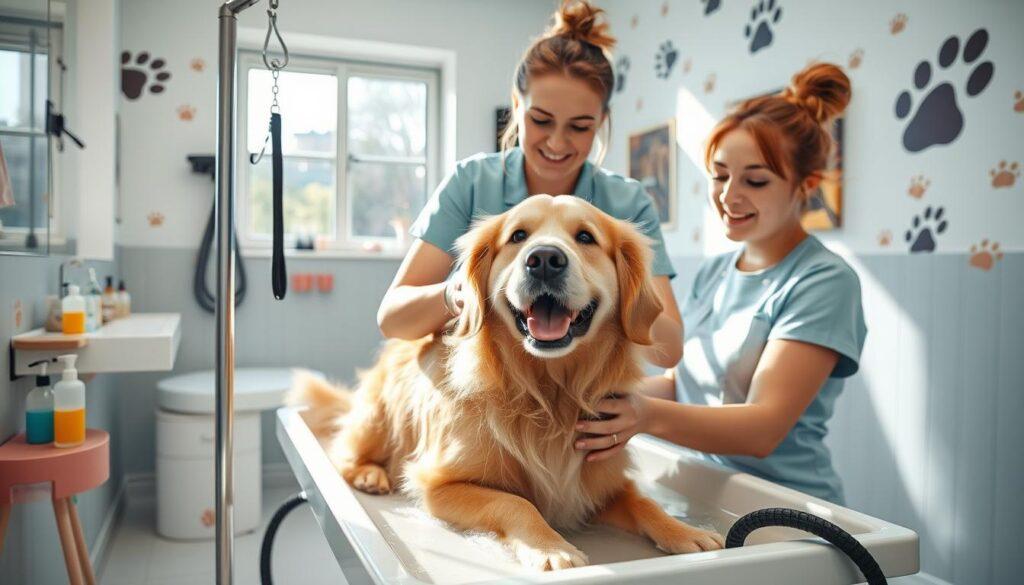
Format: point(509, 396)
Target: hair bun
point(580, 21)
point(822, 89)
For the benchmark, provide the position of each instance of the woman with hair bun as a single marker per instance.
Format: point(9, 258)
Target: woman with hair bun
point(772, 329)
point(560, 94)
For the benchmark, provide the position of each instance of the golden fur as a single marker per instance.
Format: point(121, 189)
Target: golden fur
point(479, 427)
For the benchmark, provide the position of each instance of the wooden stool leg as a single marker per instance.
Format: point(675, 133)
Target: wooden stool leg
point(83, 551)
point(67, 541)
point(5, 517)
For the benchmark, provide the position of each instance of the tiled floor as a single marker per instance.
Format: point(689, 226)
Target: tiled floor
point(139, 557)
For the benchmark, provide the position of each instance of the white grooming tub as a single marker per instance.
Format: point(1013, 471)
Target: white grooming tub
point(389, 540)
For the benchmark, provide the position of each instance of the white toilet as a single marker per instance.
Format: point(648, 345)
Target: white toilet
point(186, 447)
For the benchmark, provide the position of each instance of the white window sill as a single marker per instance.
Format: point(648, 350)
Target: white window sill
point(336, 253)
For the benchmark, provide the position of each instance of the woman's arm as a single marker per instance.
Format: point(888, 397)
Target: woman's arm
point(786, 380)
point(667, 330)
point(414, 304)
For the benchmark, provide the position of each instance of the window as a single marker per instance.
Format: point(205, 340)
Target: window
point(360, 151)
point(24, 74)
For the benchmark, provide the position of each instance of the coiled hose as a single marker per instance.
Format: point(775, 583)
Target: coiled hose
point(205, 164)
point(268, 536)
point(817, 526)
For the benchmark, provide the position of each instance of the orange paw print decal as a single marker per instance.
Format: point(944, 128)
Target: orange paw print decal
point(1018, 101)
point(1004, 175)
point(918, 186)
point(687, 65)
point(898, 23)
point(985, 256)
point(186, 113)
point(197, 65)
point(884, 238)
point(664, 9)
point(208, 518)
point(709, 83)
point(156, 219)
point(856, 58)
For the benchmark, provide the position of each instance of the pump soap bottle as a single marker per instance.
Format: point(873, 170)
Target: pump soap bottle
point(68, 405)
point(39, 409)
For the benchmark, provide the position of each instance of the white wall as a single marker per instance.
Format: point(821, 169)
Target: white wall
point(488, 37)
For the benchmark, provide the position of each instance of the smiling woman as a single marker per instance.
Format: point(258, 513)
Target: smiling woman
point(560, 94)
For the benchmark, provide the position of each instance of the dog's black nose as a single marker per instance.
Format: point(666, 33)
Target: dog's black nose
point(546, 262)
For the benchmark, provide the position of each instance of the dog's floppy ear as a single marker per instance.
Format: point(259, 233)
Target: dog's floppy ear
point(477, 249)
point(639, 304)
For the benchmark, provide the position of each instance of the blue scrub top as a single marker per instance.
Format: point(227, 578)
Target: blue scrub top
point(813, 296)
point(482, 186)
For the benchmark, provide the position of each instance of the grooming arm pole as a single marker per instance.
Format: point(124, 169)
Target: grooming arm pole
point(225, 228)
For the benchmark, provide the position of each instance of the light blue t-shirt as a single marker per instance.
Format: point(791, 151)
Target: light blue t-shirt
point(813, 296)
point(482, 186)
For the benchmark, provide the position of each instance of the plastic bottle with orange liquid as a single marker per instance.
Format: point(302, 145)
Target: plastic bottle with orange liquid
point(68, 405)
point(73, 312)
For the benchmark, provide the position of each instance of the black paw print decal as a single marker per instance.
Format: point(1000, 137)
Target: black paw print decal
point(621, 69)
point(763, 16)
point(665, 60)
point(135, 74)
point(711, 6)
point(919, 236)
point(937, 119)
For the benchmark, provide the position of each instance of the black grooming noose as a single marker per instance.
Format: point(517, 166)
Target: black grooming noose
point(278, 273)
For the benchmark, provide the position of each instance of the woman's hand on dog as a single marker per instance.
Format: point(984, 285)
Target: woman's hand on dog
point(625, 416)
point(453, 297)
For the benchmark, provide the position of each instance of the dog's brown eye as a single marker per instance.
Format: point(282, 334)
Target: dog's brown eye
point(518, 236)
point(585, 237)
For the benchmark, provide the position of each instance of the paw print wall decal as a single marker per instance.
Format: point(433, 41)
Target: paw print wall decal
point(856, 58)
point(621, 69)
point(186, 113)
point(1004, 175)
point(925, 228)
point(711, 6)
point(197, 65)
point(985, 256)
point(665, 60)
point(140, 73)
point(885, 238)
point(155, 219)
point(918, 186)
point(898, 23)
point(763, 16)
point(937, 119)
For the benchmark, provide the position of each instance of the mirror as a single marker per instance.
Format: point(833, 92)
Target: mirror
point(29, 45)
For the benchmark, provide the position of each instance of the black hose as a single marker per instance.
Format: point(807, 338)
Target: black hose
point(268, 536)
point(817, 526)
point(200, 288)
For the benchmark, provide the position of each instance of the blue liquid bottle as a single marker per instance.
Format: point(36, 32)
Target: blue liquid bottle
point(39, 409)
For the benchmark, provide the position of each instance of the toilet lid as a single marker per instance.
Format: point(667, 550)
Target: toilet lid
point(255, 389)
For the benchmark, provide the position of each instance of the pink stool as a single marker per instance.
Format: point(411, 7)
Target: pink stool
point(72, 470)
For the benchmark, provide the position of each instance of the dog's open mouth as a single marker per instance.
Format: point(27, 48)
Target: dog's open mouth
point(548, 324)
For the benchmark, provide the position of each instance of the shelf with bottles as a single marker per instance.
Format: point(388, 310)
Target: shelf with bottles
point(140, 342)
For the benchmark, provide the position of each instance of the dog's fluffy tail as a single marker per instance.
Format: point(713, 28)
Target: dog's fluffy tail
point(326, 402)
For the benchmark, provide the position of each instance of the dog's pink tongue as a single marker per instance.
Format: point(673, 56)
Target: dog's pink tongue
point(548, 325)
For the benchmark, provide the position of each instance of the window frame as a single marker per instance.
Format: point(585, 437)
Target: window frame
point(54, 226)
point(345, 242)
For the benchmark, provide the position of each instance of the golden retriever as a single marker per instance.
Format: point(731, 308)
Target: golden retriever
point(478, 424)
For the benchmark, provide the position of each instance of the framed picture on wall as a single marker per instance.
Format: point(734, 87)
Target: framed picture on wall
point(825, 206)
point(652, 161)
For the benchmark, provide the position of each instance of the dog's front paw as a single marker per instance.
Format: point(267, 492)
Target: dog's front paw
point(368, 477)
point(551, 557)
point(686, 539)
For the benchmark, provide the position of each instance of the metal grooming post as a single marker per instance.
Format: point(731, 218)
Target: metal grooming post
point(225, 205)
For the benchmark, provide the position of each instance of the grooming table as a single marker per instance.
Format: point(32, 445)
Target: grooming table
point(389, 540)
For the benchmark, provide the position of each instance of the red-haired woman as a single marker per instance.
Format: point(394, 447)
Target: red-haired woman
point(771, 329)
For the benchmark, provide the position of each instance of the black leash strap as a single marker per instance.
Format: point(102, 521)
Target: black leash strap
point(278, 274)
